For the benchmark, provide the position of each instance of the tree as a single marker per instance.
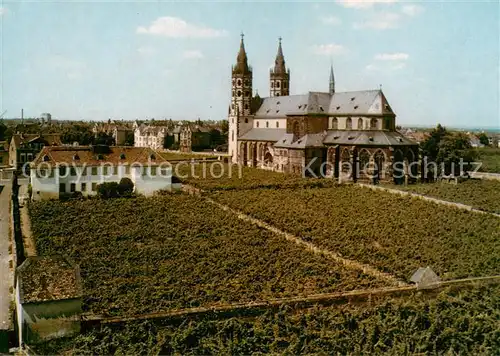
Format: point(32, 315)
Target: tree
point(80, 133)
point(3, 130)
point(125, 187)
point(430, 147)
point(483, 139)
point(129, 138)
point(104, 139)
point(108, 190)
point(455, 149)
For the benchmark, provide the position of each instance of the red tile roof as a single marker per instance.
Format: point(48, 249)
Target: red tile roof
point(85, 155)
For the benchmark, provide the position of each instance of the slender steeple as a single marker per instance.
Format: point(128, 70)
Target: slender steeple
point(279, 75)
point(332, 81)
point(241, 66)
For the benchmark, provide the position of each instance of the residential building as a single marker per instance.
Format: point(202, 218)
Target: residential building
point(63, 170)
point(321, 131)
point(24, 147)
point(150, 136)
point(119, 131)
point(194, 138)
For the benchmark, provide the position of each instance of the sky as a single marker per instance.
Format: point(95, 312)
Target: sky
point(436, 61)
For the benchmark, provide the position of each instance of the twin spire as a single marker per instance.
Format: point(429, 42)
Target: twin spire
point(242, 67)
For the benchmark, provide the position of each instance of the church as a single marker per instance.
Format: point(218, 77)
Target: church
point(346, 135)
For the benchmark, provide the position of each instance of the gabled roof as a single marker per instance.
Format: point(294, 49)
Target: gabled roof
point(365, 102)
point(49, 139)
point(84, 155)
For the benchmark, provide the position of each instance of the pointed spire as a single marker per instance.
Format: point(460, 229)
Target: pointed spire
point(332, 81)
point(241, 61)
point(279, 63)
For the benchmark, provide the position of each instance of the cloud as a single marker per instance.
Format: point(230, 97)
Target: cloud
point(3, 10)
point(386, 67)
point(380, 21)
point(191, 54)
point(363, 4)
point(392, 57)
point(174, 27)
point(331, 20)
point(329, 49)
point(412, 10)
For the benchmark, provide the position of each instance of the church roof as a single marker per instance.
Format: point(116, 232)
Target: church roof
point(364, 102)
point(309, 140)
point(241, 66)
point(367, 138)
point(279, 62)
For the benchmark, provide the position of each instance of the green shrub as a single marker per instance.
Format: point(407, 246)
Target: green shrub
point(125, 187)
point(108, 190)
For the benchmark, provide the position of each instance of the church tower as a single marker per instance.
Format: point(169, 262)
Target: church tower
point(332, 82)
point(240, 120)
point(279, 76)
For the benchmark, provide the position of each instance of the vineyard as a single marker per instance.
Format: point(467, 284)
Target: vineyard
point(480, 194)
point(454, 323)
point(177, 156)
point(218, 176)
point(392, 233)
point(142, 255)
point(490, 159)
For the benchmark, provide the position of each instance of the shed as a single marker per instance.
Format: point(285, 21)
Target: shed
point(425, 278)
point(48, 298)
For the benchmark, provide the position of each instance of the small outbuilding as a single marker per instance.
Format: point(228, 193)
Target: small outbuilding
point(48, 298)
point(425, 278)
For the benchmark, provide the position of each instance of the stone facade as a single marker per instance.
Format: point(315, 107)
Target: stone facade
point(343, 135)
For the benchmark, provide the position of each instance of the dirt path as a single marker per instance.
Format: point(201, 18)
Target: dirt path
point(28, 241)
point(425, 197)
point(311, 247)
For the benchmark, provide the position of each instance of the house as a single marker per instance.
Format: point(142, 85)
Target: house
point(117, 130)
point(4, 154)
point(48, 296)
point(24, 147)
point(64, 170)
point(150, 136)
point(194, 138)
point(334, 134)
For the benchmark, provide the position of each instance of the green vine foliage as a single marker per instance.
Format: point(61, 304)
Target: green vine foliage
point(464, 322)
point(392, 233)
point(177, 251)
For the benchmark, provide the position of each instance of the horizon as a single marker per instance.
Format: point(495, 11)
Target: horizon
point(173, 60)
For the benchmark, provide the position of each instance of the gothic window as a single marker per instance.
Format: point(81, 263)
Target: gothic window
point(232, 135)
point(277, 85)
point(257, 124)
point(267, 123)
point(373, 124)
point(247, 93)
point(239, 93)
point(277, 125)
point(360, 124)
point(272, 84)
point(364, 160)
point(239, 82)
point(348, 123)
point(335, 123)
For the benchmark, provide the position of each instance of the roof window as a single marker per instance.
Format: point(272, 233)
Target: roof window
point(305, 106)
point(321, 108)
point(46, 158)
point(356, 106)
point(300, 106)
point(152, 156)
point(122, 156)
point(267, 111)
point(277, 111)
point(100, 156)
point(76, 157)
point(336, 137)
point(370, 138)
point(352, 99)
point(278, 103)
point(350, 138)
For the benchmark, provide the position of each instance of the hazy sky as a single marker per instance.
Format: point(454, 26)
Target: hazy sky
point(436, 61)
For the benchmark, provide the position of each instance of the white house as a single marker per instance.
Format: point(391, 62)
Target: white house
point(150, 136)
point(67, 169)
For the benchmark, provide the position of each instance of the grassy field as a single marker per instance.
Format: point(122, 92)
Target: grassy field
point(393, 233)
point(490, 159)
point(481, 194)
point(148, 255)
point(455, 323)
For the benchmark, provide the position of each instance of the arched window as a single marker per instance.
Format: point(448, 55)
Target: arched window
point(239, 93)
point(373, 124)
point(232, 135)
point(277, 124)
point(348, 123)
point(247, 93)
point(277, 85)
point(364, 160)
point(360, 124)
point(335, 123)
point(272, 84)
point(345, 158)
point(246, 106)
point(239, 82)
point(267, 123)
point(257, 124)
